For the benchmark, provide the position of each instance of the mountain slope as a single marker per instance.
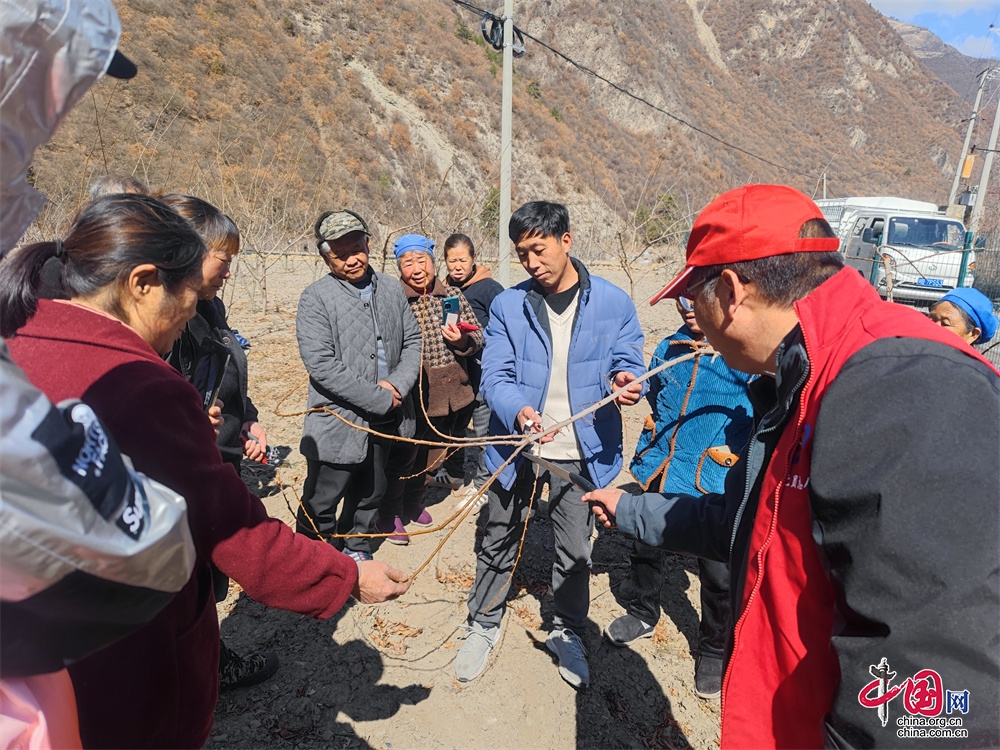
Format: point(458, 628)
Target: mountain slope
point(947, 63)
point(278, 110)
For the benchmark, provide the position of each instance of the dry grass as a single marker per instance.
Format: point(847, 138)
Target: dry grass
point(391, 635)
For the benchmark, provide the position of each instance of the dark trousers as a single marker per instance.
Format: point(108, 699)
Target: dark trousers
point(647, 580)
point(572, 526)
point(480, 429)
point(360, 486)
point(452, 425)
point(400, 464)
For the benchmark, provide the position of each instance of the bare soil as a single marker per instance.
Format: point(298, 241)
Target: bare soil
point(381, 676)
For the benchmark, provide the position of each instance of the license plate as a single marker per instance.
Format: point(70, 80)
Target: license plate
point(930, 282)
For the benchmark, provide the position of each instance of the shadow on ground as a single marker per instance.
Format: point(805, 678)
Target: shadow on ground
point(321, 680)
point(625, 705)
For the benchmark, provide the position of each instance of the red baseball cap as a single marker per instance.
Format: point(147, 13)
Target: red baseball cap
point(751, 222)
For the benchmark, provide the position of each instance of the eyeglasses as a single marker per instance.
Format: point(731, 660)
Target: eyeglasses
point(687, 297)
point(685, 303)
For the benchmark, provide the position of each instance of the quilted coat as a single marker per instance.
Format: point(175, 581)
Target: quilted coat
point(336, 333)
point(517, 361)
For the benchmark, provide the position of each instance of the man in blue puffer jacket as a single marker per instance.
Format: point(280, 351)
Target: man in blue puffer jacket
point(555, 345)
point(700, 422)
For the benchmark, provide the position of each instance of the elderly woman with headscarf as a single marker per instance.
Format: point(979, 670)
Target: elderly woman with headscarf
point(968, 313)
point(444, 397)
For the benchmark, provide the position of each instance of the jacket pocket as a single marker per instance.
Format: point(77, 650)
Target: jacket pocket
point(723, 456)
point(715, 462)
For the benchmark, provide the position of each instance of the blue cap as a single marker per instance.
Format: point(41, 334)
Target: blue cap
point(409, 242)
point(979, 308)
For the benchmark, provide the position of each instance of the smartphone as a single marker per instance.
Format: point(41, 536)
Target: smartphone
point(449, 311)
point(210, 370)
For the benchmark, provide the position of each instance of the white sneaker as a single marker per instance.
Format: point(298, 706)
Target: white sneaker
point(568, 647)
point(443, 479)
point(474, 656)
point(466, 495)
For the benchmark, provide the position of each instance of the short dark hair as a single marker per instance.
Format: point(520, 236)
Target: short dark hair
point(459, 240)
point(782, 279)
point(538, 219)
point(116, 184)
point(112, 235)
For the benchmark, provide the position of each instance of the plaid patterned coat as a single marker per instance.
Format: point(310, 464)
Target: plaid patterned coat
point(446, 386)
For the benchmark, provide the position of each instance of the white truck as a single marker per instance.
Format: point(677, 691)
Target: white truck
point(909, 250)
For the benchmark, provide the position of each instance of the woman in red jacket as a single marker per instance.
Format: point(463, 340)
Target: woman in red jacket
point(131, 268)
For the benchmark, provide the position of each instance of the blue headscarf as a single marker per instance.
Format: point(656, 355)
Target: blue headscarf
point(978, 307)
point(409, 242)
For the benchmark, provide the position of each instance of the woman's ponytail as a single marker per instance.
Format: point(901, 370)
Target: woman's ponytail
point(20, 278)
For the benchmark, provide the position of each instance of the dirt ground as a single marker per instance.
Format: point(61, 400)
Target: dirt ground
point(381, 676)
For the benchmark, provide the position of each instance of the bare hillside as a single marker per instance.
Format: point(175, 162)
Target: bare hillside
point(276, 110)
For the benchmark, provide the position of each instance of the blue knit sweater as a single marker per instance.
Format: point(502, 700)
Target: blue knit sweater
point(701, 420)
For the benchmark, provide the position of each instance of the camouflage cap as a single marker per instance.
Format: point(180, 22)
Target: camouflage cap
point(332, 225)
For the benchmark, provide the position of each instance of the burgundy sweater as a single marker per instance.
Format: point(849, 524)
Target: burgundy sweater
point(158, 687)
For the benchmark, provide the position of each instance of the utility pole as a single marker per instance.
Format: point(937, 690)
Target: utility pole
point(968, 137)
point(984, 180)
point(503, 262)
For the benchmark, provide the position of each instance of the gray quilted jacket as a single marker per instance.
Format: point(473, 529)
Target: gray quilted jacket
point(337, 343)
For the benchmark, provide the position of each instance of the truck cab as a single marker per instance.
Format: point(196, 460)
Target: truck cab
point(908, 250)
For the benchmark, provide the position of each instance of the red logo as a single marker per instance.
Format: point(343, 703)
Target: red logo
point(923, 694)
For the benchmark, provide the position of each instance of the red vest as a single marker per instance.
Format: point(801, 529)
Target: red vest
point(783, 672)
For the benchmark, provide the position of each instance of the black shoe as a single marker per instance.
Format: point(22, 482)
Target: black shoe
point(236, 671)
point(708, 677)
point(627, 629)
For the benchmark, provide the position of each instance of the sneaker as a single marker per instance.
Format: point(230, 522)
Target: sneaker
point(394, 527)
point(627, 629)
point(568, 647)
point(423, 519)
point(243, 671)
point(444, 479)
point(358, 556)
point(708, 677)
point(474, 656)
point(466, 495)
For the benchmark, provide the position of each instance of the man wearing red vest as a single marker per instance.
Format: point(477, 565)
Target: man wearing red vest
point(862, 521)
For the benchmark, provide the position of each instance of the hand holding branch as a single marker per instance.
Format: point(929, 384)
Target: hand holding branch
point(631, 395)
point(378, 582)
point(533, 420)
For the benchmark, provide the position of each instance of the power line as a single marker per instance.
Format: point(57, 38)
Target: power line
point(487, 15)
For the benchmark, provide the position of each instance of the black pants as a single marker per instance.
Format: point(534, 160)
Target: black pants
point(412, 497)
point(399, 464)
point(647, 579)
point(455, 424)
point(360, 486)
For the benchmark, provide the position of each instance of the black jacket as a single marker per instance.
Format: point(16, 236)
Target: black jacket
point(905, 496)
point(210, 322)
point(480, 290)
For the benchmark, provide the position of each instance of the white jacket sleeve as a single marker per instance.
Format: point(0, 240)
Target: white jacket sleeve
point(77, 525)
